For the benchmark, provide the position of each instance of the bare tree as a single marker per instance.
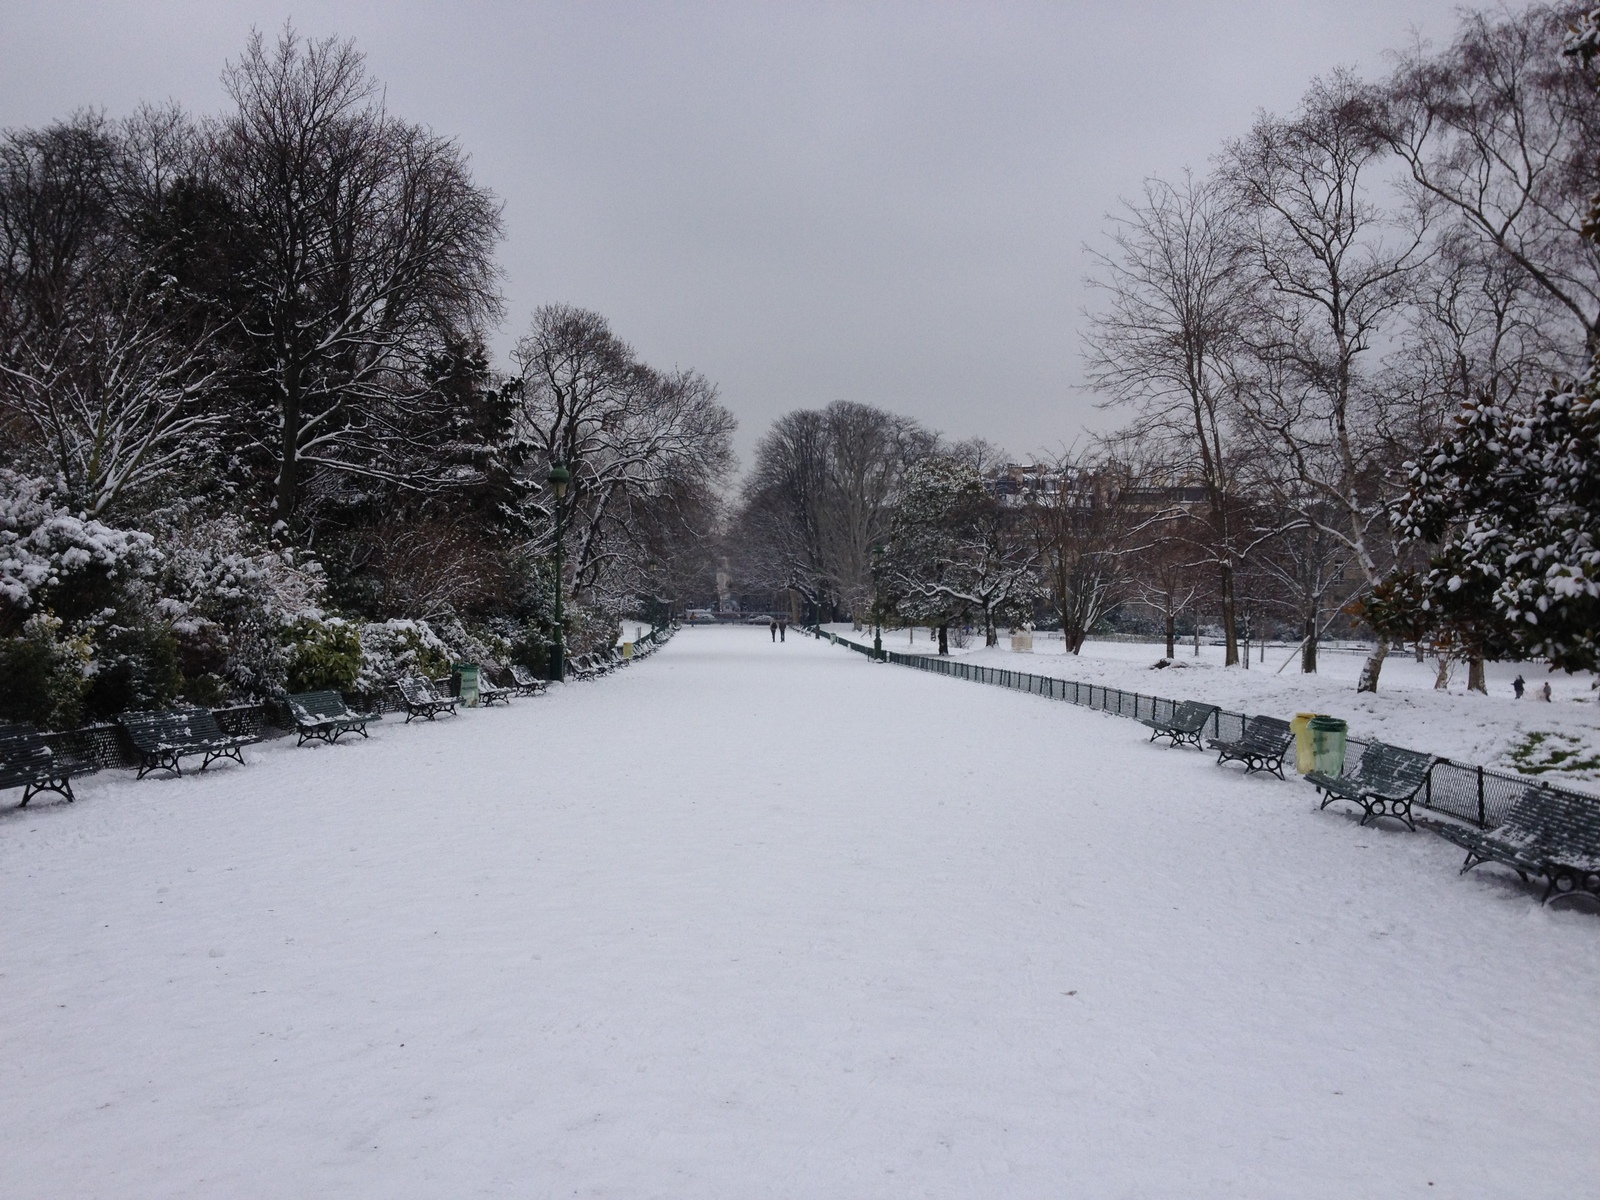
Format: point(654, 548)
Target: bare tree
point(1163, 569)
point(368, 245)
point(821, 494)
point(636, 443)
point(1082, 525)
point(1333, 267)
point(1502, 129)
point(116, 400)
point(1167, 342)
point(103, 364)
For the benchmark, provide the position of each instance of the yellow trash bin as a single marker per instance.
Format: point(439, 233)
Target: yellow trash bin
point(1304, 757)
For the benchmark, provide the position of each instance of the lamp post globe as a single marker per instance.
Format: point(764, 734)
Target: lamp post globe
point(560, 477)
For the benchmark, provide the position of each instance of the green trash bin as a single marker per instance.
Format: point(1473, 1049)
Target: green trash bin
point(466, 683)
point(1327, 743)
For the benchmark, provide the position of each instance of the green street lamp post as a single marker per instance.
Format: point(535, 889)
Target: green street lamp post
point(559, 478)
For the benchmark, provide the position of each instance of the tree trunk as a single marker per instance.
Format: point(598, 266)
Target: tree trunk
point(1230, 619)
point(944, 638)
point(1172, 622)
point(1441, 681)
point(289, 447)
point(1475, 677)
point(991, 635)
point(1374, 664)
point(1418, 649)
point(1308, 648)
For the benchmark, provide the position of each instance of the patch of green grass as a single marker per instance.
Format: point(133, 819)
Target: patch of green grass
point(1538, 753)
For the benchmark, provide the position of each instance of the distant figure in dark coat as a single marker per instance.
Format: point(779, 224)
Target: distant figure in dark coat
point(1517, 685)
point(772, 627)
point(783, 628)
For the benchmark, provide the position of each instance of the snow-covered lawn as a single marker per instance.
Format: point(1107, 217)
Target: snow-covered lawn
point(1406, 710)
point(756, 920)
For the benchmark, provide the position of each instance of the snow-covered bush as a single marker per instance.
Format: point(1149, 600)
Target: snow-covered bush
point(322, 654)
point(43, 674)
point(472, 643)
point(1513, 501)
point(54, 560)
point(135, 665)
point(228, 599)
point(391, 650)
point(591, 627)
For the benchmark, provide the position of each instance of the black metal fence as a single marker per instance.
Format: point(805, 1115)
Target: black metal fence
point(107, 746)
point(1477, 795)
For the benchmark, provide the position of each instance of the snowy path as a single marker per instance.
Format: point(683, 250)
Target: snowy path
point(771, 921)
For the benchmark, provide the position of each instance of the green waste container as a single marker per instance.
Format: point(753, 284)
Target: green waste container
point(466, 683)
point(1327, 744)
point(1301, 728)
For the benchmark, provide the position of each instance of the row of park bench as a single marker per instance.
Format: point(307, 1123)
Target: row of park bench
point(1538, 831)
point(1546, 833)
point(39, 762)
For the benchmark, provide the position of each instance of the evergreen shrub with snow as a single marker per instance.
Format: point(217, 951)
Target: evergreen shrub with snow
point(323, 654)
point(1513, 501)
point(391, 650)
point(43, 675)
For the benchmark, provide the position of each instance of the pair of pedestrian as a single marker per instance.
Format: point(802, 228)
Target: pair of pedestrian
point(1518, 684)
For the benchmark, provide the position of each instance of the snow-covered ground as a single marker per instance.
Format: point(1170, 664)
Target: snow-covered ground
point(756, 920)
point(1406, 710)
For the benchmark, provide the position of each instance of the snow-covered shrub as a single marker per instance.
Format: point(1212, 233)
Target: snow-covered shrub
point(322, 654)
point(391, 650)
point(42, 674)
point(1513, 503)
point(590, 627)
point(53, 560)
point(472, 643)
point(228, 599)
point(135, 665)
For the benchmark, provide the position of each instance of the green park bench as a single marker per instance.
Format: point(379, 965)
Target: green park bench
point(421, 699)
point(588, 666)
point(492, 693)
point(161, 739)
point(29, 761)
point(1547, 833)
point(325, 717)
point(1383, 783)
point(1260, 746)
point(524, 683)
point(1184, 726)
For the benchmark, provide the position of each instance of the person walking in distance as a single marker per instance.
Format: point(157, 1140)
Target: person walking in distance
point(1517, 685)
point(783, 628)
point(772, 628)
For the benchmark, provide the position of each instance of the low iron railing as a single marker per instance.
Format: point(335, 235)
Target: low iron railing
point(1466, 792)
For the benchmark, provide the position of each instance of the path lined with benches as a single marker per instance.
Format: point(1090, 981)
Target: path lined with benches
point(764, 917)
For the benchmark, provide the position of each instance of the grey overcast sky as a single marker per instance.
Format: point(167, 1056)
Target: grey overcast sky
point(884, 203)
